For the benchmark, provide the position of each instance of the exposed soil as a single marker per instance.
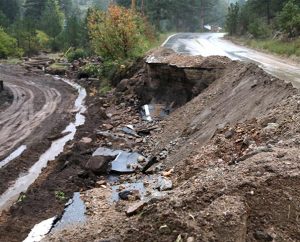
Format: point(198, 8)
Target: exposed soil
point(234, 153)
point(230, 147)
point(6, 98)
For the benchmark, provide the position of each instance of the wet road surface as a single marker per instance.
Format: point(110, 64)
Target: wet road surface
point(207, 44)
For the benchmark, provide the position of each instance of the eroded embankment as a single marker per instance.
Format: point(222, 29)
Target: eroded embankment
point(234, 149)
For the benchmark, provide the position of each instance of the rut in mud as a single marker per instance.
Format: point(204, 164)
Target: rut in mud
point(231, 139)
point(41, 109)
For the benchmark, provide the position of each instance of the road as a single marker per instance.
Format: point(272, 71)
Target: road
point(207, 44)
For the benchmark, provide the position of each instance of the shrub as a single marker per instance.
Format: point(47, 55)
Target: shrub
point(119, 33)
point(43, 40)
point(289, 18)
point(76, 54)
point(259, 29)
point(8, 46)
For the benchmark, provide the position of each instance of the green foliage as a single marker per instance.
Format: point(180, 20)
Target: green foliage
point(59, 195)
point(76, 54)
point(8, 45)
point(289, 18)
point(43, 40)
point(232, 19)
point(259, 29)
point(21, 198)
point(118, 33)
point(91, 70)
point(286, 48)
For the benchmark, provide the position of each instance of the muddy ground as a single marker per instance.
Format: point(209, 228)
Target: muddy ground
point(230, 147)
point(41, 110)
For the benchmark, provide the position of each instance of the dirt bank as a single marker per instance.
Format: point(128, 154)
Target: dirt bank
point(234, 150)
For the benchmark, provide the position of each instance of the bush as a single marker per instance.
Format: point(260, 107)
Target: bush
point(8, 46)
point(43, 40)
point(119, 33)
point(91, 70)
point(76, 54)
point(289, 18)
point(259, 29)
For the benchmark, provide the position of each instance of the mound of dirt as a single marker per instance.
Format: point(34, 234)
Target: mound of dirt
point(234, 150)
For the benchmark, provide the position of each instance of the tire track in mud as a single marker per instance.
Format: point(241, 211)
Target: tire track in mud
point(20, 119)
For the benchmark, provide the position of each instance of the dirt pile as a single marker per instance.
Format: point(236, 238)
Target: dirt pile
point(234, 154)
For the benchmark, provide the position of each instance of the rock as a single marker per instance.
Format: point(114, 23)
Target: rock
point(164, 184)
point(190, 239)
point(135, 208)
point(86, 140)
point(141, 159)
point(228, 134)
point(262, 236)
point(99, 164)
point(271, 127)
point(124, 195)
point(108, 126)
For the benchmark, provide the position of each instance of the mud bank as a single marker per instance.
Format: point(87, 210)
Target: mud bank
point(234, 154)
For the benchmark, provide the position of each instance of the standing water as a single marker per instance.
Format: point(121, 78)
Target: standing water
point(57, 146)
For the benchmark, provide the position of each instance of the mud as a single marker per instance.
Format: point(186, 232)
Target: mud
point(234, 154)
point(41, 108)
point(231, 152)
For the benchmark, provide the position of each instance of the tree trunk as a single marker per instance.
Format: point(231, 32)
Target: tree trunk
point(202, 15)
point(133, 4)
point(143, 7)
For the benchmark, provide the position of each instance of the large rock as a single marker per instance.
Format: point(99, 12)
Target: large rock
point(99, 165)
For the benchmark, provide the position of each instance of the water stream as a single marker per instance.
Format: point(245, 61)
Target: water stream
point(13, 155)
point(57, 146)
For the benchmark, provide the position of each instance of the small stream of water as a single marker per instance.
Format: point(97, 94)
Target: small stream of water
point(57, 146)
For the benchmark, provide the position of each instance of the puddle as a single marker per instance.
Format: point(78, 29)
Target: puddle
point(74, 214)
point(40, 230)
point(139, 186)
point(57, 146)
point(13, 155)
point(124, 162)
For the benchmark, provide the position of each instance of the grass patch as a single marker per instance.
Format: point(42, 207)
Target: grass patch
point(160, 39)
point(59, 66)
point(284, 48)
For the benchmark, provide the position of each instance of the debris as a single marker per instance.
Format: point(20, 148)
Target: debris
point(86, 140)
point(168, 173)
point(99, 164)
point(164, 184)
point(135, 208)
point(150, 163)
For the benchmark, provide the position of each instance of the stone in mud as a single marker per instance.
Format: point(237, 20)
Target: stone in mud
point(135, 208)
point(86, 140)
point(99, 164)
point(262, 236)
point(164, 184)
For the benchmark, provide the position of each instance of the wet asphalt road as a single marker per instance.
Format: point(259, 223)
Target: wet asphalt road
point(207, 44)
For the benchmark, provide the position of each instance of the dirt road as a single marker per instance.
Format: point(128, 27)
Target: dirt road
point(208, 44)
point(40, 109)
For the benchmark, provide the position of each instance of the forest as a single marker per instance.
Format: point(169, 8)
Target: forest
point(262, 19)
point(30, 26)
